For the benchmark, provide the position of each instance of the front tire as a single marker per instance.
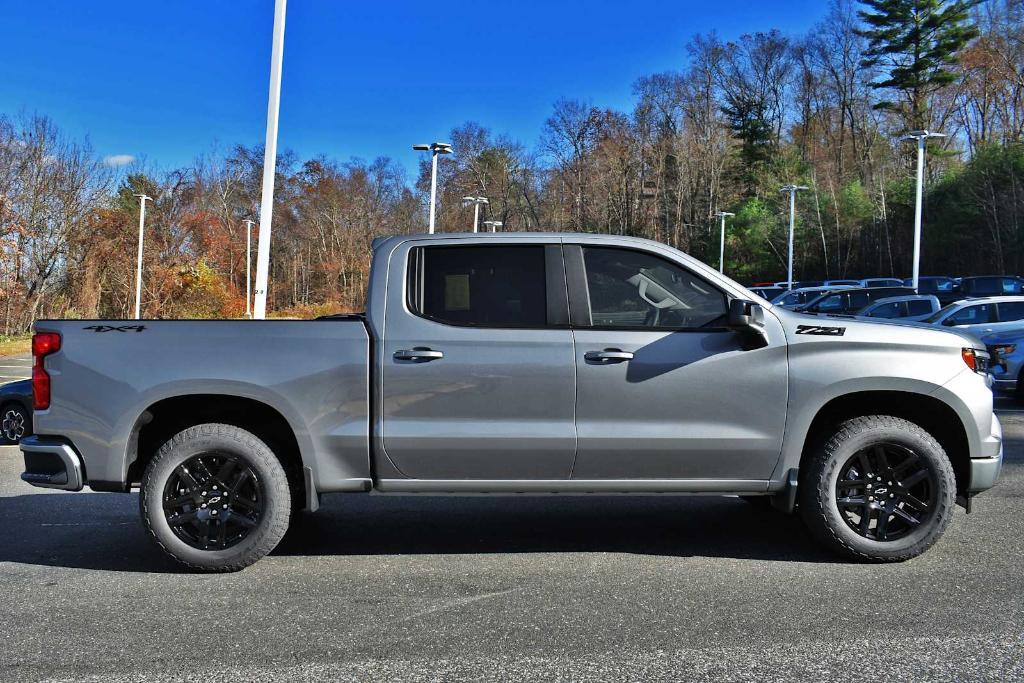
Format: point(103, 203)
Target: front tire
point(215, 498)
point(880, 489)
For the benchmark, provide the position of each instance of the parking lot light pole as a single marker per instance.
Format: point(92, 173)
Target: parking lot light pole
point(921, 136)
point(792, 190)
point(138, 265)
point(721, 250)
point(434, 148)
point(476, 202)
point(269, 163)
point(248, 267)
point(493, 225)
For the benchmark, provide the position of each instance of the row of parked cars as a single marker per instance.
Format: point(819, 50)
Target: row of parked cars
point(988, 307)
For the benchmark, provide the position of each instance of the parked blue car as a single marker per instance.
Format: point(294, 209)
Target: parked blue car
point(1007, 349)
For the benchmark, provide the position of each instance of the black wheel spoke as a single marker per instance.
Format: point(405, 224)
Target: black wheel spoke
point(181, 518)
point(851, 501)
point(225, 470)
point(915, 502)
point(246, 503)
point(247, 522)
point(186, 477)
point(174, 503)
point(243, 477)
point(882, 526)
point(906, 517)
point(865, 520)
point(203, 470)
point(881, 459)
point(222, 533)
point(865, 464)
point(915, 478)
point(852, 484)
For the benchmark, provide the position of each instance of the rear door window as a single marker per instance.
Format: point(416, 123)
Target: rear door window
point(893, 309)
point(1011, 310)
point(481, 286)
point(919, 307)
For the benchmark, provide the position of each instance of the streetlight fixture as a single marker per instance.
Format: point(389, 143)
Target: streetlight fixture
point(138, 266)
point(248, 267)
point(721, 250)
point(792, 190)
point(476, 202)
point(269, 162)
point(434, 148)
point(493, 225)
point(921, 136)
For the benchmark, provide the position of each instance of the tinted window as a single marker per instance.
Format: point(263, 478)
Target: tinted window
point(993, 285)
point(889, 310)
point(634, 289)
point(971, 315)
point(919, 307)
point(1011, 310)
point(480, 286)
point(859, 300)
point(830, 304)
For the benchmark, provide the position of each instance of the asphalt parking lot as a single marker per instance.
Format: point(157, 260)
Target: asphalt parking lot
point(431, 588)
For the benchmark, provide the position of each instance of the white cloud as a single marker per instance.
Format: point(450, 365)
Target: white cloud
point(118, 160)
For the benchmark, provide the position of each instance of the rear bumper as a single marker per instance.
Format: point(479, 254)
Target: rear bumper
point(51, 464)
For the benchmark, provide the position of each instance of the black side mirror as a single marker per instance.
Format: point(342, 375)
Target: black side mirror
point(746, 318)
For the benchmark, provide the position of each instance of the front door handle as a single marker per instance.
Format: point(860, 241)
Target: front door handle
point(418, 355)
point(608, 356)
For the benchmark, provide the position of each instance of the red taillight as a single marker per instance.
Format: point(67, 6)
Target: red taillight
point(43, 344)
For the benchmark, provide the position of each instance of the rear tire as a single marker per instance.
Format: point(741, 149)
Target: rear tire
point(881, 489)
point(215, 498)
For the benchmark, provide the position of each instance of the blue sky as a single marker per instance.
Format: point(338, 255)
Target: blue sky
point(166, 81)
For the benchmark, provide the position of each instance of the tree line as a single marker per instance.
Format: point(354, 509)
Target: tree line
point(724, 132)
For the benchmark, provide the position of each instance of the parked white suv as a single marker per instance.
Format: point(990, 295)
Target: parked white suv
point(981, 316)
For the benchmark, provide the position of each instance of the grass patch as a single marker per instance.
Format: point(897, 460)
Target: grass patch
point(15, 345)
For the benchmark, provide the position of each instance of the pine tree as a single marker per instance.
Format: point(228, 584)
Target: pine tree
point(915, 42)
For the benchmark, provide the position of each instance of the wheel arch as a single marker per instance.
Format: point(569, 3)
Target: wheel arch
point(168, 416)
point(935, 416)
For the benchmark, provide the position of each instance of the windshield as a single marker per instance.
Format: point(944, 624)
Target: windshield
point(939, 314)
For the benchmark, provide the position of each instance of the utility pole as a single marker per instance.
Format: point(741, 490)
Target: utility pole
point(792, 190)
point(434, 148)
point(269, 162)
point(721, 250)
point(476, 202)
point(921, 136)
point(248, 267)
point(138, 265)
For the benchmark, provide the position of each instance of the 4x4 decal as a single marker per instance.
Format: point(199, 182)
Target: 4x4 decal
point(821, 330)
point(115, 328)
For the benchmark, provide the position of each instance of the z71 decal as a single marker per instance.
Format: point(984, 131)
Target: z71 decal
point(821, 330)
point(115, 328)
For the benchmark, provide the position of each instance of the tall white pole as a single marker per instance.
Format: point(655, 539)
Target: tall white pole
point(269, 163)
point(721, 249)
point(138, 265)
point(792, 214)
point(917, 208)
point(248, 268)
point(433, 187)
point(476, 215)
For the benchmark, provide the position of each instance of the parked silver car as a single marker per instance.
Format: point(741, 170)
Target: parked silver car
point(908, 308)
point(981, 316)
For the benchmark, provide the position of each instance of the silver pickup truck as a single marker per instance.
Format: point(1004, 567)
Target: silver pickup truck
point(518, 364)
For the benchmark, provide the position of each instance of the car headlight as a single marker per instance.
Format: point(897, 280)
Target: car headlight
point(1002, 350)
point(976, 359)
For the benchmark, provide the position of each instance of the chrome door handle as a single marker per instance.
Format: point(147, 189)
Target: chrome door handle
point(608, 356)
point(418, 355)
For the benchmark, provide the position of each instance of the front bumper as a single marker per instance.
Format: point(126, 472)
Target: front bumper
point(1004, 386)
point(51, 464)
point(985, 470)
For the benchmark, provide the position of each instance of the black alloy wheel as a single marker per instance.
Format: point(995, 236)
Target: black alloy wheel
point(213, 500)
point(885, 491)
point(15, 423)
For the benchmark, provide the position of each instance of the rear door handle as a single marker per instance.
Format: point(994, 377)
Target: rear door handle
point(418, 355)
point(608, 356)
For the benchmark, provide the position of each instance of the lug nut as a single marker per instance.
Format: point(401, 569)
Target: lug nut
point(879, 479)
point(225, 506)
point(213, 512)
point(869, 498)
point(204, 505)
point(203, 493)
point(214, 487)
